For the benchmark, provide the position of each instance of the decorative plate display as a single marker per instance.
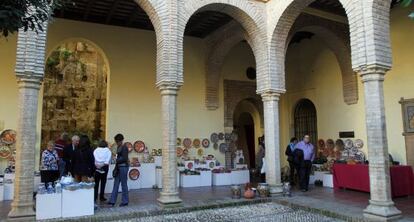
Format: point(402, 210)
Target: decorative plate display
point(339, 144)
point(180, 151)
point(211, 165)
point(200, 152)
point(330, 144)
point(359, 156)
point(214, 138)
point(234, 136)
point(139, 146)
point(134, 174)
point(129, 145)
point(8, 137)
point(221, 136)
point(187, 143)
point(227, 136)
point(205, 143)
point(178, 141)
point(223, 147)
point(5, 152)
point(349, 143)
point(359, 143)
point(190, 165)
point(321, 143)
point(215, 146)
point(354, 150)
point(185, 151)
point(196, 143)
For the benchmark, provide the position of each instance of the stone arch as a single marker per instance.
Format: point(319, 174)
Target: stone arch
point(336, 38)
point(247, 13)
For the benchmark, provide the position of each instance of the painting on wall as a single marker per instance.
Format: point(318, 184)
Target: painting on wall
point(407, 106)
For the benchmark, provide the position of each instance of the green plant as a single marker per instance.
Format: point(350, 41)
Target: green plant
point(407, 3)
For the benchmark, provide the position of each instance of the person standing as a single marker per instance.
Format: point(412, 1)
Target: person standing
point(83, 163)
point(60, 144)
point(49, 171)
point(68, 152)
point(120, 172)
point(290, 151)
point(306, 166)
point(103, 158)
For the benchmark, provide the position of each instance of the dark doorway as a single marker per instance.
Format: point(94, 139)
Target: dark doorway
point(246, 138)
point(305, 121)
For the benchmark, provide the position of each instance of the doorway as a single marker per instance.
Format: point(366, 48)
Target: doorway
point(305, 120)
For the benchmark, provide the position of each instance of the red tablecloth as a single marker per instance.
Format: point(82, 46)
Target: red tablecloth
point(356, 177)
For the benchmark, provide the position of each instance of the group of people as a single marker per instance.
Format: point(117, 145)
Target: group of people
point(79, 159)
point(300, 156)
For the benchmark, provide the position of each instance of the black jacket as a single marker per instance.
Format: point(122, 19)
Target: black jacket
point(290, 155)
point(122, 157)
point(83, 162)
point(68, 152)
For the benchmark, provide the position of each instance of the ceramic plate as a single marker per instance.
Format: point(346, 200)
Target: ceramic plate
point(321, 143)
point(227, 136)
point(200, 152)
point(190, 165)
point(205, 143)
point(211, 165)
point(180, 151)
point(348, 143)
point(129, 145)
point(214, 138)
point(234, 136)
point(187, 143)
point(134, 174)
point(221, 136)
point(185, 151)
point(215, 146)
point(196, 143)
point(178, 141)
point(359, 156)
point(339, 144)
point(330, 144)
point(359, 143)
point(5, 152)
point(139, 146)
point(8, 137)
point(223, 147)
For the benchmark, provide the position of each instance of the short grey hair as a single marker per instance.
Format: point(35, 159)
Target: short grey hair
point(75, 138)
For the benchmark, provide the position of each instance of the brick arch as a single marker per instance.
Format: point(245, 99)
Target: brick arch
point(247, 13)
point(336, 37)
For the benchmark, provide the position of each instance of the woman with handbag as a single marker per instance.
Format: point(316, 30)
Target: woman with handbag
point(120, 173)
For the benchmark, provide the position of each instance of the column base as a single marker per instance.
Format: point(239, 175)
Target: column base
point(382, 211)
point(22, 213)
point(275, 190)
point(169, 200)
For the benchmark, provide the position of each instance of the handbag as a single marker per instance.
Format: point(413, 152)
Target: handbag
point(115, 172)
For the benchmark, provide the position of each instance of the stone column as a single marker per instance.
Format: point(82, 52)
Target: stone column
point(272, 156)
point(381, 207)
point(169, 194)
point(22, 205)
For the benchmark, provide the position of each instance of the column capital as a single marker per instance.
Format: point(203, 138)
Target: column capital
point(270, 96)
point(33, 82)
point(168, 88)
point(372, 72)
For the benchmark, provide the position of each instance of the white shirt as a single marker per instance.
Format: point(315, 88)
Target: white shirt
point(102, 155)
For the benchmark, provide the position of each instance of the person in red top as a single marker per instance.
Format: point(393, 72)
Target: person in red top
point(60, 144)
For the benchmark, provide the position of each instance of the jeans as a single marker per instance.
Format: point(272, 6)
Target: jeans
point(100, 178)
point(62, 168)
point(121, 178)
point(305, 170)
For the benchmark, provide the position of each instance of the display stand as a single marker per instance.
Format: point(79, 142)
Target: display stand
point(221, 179)
point(158, 161)
point(1, 192)
point(8, 191)
point(147, 177)
point(190, 180)
point(134, 184)
point(48, 206)
point(240, 177)
point(77, 203)
point(206, 178)
point(328, 180)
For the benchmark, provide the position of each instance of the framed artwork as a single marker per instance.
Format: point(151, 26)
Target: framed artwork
point(407, 106)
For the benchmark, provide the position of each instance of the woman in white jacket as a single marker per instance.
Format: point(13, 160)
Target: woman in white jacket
point(103, 156)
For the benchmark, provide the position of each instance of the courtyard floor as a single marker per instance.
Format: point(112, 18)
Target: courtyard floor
point(216, 204)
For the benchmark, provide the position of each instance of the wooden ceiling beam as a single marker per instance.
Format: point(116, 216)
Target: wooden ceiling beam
point(88, 9)
point(111, 12)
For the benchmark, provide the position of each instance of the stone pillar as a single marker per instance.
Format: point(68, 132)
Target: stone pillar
point(272, 143)
point(381, 207)
point(22, 205)
point(169, 194)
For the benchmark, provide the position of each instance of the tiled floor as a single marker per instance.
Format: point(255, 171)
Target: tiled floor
point(344, 202)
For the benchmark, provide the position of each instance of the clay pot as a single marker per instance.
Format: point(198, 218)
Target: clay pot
point(236, 191)
point(263, 189)
point(249, 194)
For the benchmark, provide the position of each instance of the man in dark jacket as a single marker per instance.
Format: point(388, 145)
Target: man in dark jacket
point(83, 161)
point(290, 151)
point(68, 152)
point(121, 177)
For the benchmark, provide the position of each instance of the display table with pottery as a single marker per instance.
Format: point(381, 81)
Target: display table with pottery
point(147, 177)
point(8, 191)
point(190, 180)
point(221, 179)
point(77, 203)
point(328, 180)
point(48, 206)
point(240, 176)
point(206, 178)
point(138, 177)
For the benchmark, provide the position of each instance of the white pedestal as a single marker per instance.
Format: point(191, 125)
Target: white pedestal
point(147, 177)
point(134, 184)
point(241, 166)
point(77, 203)
point(1, 192)
point(312, 179)
point(9, 176)
point(8, 191)
point(206, 178)
point(221, 179)
point(328, 180)
point(48, 206)
point(190, 180)
point(320, 174)
point(158, 161)
point(159, 178)
point(240, 177)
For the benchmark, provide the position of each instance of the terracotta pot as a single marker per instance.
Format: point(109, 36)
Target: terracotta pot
point(263, 189)
point(249, 194)
point(236, 191)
